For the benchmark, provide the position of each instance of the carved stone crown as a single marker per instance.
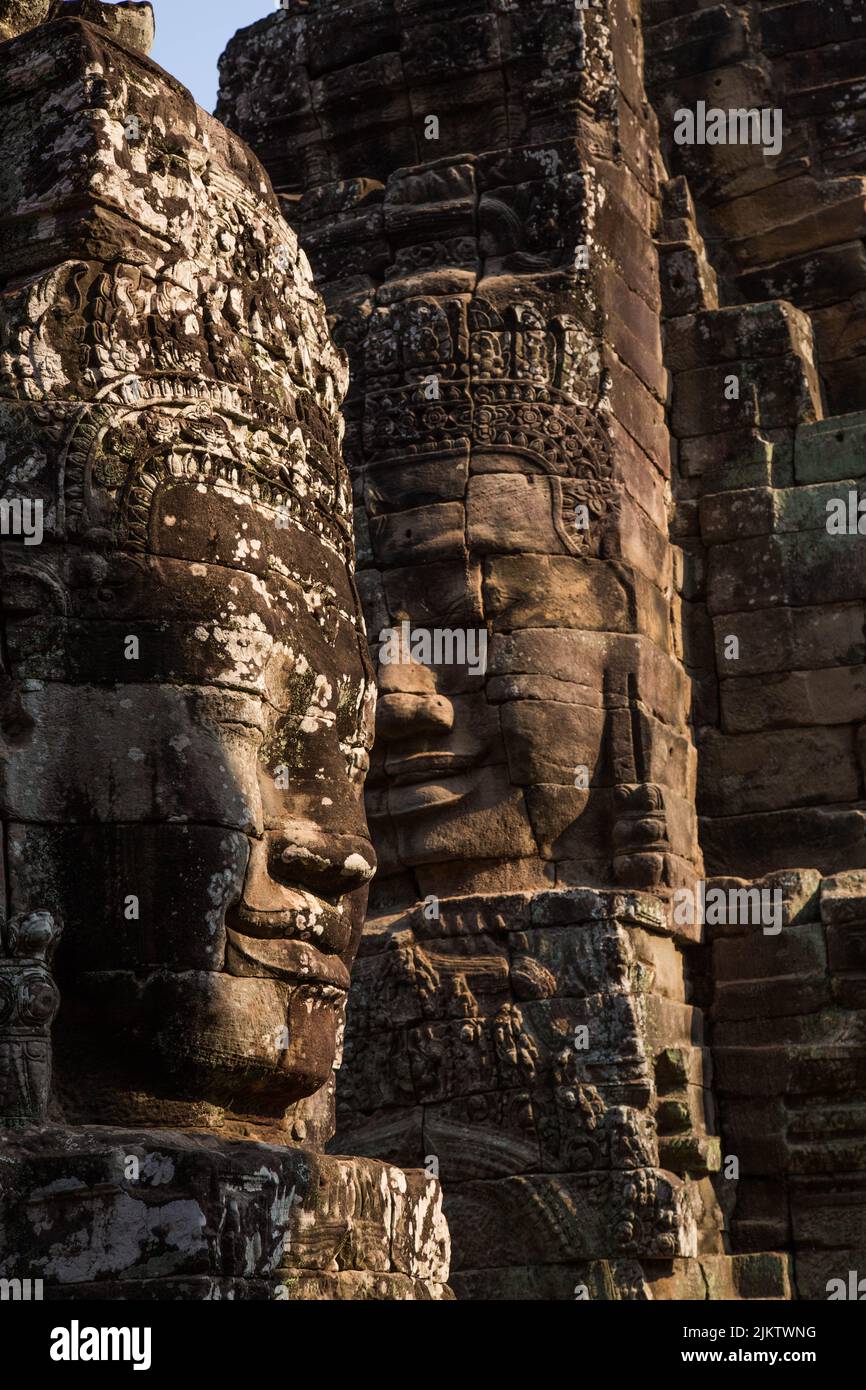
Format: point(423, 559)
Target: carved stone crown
point(447, 377)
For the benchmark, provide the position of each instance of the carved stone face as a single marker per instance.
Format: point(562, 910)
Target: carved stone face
point(188, 737)
point(187, 701)
point(481, 765)
point(475, 785)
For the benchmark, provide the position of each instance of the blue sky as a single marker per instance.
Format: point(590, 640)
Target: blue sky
point(191, 35)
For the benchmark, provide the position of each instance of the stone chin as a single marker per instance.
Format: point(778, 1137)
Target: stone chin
point(252, 1042)
point(195, 1048)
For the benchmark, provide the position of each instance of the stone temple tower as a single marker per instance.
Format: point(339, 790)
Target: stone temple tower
point(478, 186)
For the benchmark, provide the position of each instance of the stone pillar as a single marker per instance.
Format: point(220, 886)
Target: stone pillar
point(186, 709)
point(477, 186)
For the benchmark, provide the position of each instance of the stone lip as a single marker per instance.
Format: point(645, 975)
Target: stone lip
point(200, 1214)
point(295, 961)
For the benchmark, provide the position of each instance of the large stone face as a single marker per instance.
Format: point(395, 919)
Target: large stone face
point(505, 428)
point(189, 686)
point(187, 709)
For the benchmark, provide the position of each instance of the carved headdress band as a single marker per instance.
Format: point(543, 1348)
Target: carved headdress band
point(444, 377)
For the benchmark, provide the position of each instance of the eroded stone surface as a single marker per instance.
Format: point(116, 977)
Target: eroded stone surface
point(507, 449)
point(18, 15)
point(202, 1218)
point(187, 646)
point(583, 687)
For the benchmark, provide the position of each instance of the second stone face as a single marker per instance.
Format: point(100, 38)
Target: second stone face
point(505, 434)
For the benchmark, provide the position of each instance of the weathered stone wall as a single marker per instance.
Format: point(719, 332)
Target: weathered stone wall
point(775, 596)
point(788, 1049)
point(774, 602)
point(141, 1214)
point(788, 225)
point(568, 1162)
point(757, 472)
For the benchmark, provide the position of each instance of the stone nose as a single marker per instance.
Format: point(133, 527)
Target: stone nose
point(403, 716)
point(332, 864)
